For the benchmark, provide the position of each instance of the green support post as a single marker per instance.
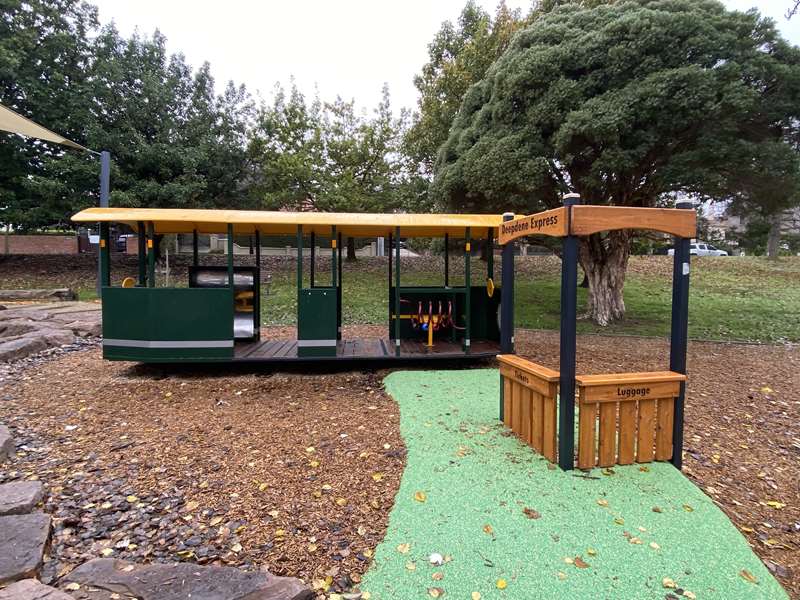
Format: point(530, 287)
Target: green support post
point(397, 293)
point(195, 248)
point(489, 254)
point(257, 299)
point(339, 289)
point(105, 256)
point(151, 255)
point(230, 255)
point(299, 264)
point(313, 266)
point(141, 239)
point(468, 292)
point(446, 260)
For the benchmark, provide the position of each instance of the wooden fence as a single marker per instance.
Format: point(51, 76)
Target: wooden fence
point(529, 395)
point(622, 418)
point(625, 418)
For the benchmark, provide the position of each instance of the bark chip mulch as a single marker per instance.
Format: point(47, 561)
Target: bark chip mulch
point(295, 472)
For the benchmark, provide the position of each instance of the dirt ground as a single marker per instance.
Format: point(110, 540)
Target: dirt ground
point(297, 470)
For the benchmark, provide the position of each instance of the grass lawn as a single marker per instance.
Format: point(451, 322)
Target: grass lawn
point(735, 298)
point(732, 298)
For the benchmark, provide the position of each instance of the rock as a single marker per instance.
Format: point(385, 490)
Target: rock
point(58, 294)
point(6, 443)
point(21, 347)
point(30, 589)
point(183, 580)
point(53, 337)
point(85, 328)
point(23, 539)
point(19, 497)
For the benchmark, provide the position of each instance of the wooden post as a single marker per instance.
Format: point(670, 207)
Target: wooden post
point(468, 286)
point(507, 297)
point(141, 239)
point(569, 301)
point(679, 334)
point(151, 255)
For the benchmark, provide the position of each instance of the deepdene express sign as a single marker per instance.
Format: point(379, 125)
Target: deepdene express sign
point(551, 222)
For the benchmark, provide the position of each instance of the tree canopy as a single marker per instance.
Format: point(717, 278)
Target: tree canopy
point(626, 103)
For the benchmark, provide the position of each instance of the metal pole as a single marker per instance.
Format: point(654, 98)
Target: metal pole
point(446, 260)
point(141, 239)
point(507, 296)
point(569, 307)
point(195, 248)
point(105, 186)
point(312, 272)
point(151, 255)
point(230, 255)
point(468, 288)
point(397, 293)
point(679, 334)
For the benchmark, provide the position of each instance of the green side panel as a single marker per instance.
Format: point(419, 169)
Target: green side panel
point(317, 320)
point(170, 315)
point(483, 325)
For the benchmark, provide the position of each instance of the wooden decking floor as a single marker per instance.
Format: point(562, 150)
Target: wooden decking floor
point(364, 349)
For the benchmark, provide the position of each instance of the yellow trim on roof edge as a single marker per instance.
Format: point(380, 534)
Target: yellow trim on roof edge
point(178, 220)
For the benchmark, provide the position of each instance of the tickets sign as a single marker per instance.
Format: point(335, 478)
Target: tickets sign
point(550, 222)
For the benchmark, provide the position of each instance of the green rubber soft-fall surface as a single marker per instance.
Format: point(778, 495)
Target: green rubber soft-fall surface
point(477, 482)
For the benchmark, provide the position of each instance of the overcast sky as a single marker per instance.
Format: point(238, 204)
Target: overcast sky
point(344, 47)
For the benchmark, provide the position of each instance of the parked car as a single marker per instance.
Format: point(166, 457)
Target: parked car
point(701, 249)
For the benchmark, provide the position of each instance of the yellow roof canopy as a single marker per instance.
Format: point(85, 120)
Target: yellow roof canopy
point(177, 220)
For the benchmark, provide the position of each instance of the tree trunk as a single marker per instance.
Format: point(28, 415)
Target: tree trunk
point(604, 260)
point(774, 237)
point(351, 248)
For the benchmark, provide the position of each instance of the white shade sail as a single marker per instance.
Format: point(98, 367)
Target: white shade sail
point(16, 123)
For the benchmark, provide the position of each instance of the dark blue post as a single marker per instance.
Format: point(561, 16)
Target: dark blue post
point(569, 307)
point(468, 287)
point(105, 186)
point(507, 297)
point(195, 248)
point(679, 334)
point(230, 255)
point(397, 292)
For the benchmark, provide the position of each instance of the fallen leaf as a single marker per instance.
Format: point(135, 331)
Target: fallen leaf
point(132, 499)
point(655, 546)
point(361, 530)
point(273, 513)
point(775, 504)
point(476, 596)
point(420, 496)
point(689, 595)
point(619, 521)
point(591, 552)
point(312, 547)
point(437, 576)
point(562, 576)
point(313, 464)
point(748, 576)
point(569, 560)
point(310, 450)
point(215, 521)
point(688, 508)
point(488, 529)
point(377, 476)
point(656, 509)
point(236, 548)
point(580, 563)
point(501, 584)
point(411, 566)
point(72, 587)
point(107, 552)
point(341, 501)
point(531, 514)
point(404, 548)
point(602, 502)
point(635, 540)
point(669, 583)
point(435, 592)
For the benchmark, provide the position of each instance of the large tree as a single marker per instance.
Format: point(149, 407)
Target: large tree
point(627, 104)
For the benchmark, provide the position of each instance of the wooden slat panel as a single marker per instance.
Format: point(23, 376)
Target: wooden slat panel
point(607, 451)
point(627, 378)
point(632, 391)
point(516, 410)
point(507, 402)
point(664, 428)
point(646, 431)
point(549, 444)
point(587, 220)
point(524, 378)
point(627, 433)
point(587, 417)
point(526, 417)
point(551, 222)
point(537, 433)
point(535, 369)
